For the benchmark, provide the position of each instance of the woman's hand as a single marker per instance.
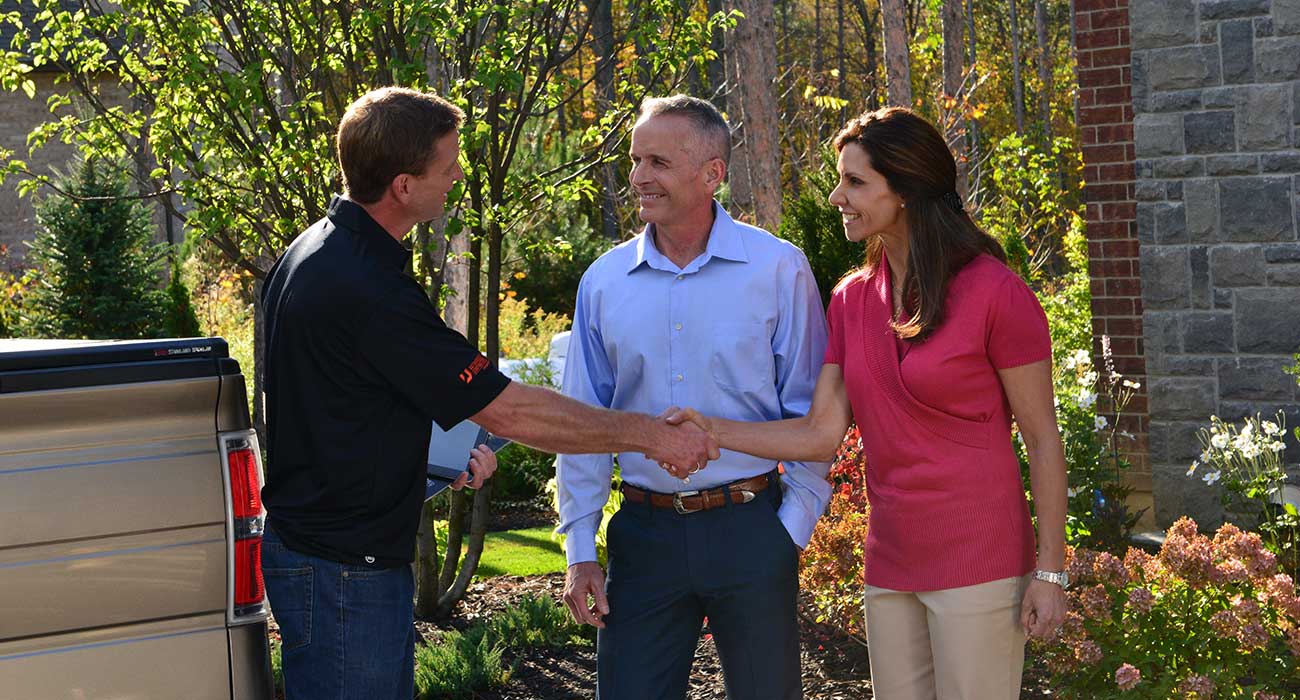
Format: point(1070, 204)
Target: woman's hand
point(1043, 609)
point(674, 415)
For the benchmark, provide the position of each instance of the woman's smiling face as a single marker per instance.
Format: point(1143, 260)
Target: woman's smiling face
point(867, 205)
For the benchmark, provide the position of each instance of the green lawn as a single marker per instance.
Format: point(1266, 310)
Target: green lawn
point(516, 552)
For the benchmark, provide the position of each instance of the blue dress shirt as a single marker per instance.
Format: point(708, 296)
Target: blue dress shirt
point(738, 333)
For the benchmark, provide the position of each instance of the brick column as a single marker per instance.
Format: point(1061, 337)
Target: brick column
point(1109, 155)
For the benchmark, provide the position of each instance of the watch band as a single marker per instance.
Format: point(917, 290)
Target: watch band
point(1060, 578)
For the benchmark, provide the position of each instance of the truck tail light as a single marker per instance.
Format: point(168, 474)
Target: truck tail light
point(249, 589)
point(242, 473)
point(245, 483)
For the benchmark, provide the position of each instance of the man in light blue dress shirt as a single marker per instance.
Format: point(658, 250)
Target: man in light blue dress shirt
point(698, 310)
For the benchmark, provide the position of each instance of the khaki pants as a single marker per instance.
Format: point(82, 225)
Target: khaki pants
point(955, 644)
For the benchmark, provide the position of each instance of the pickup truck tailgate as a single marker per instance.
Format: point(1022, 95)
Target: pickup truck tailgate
point(113, 544)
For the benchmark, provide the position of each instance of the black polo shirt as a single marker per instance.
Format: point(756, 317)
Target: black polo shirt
point(358, 364)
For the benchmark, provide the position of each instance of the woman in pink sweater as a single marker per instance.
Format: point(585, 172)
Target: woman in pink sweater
point(935, 344)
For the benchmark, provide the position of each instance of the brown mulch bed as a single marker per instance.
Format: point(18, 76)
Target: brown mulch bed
point(520, 515)
point(834, 665)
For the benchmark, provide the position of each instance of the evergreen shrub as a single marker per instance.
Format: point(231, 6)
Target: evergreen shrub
point(95, 270)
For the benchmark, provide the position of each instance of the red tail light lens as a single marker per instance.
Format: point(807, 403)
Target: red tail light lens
point(245, 484)
point(249, 588)
point(247, 591)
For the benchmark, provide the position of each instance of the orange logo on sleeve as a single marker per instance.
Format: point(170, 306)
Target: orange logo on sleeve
point(479, 364)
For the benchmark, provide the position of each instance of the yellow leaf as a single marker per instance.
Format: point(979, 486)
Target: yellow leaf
point(520, 275)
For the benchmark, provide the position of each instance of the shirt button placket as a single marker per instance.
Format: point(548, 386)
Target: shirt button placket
point(675, 306)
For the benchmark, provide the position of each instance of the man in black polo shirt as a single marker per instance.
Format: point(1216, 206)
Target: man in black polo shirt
point(357, 365)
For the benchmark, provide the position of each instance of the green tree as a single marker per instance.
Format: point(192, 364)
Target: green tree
point(95, 269)
point(813, 224)
point(179, 321)
point(232, 104)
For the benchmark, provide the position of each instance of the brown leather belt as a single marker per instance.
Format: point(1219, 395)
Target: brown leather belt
point(684, 502)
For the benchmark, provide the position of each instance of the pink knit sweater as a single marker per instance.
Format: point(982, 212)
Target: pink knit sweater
point(947, 506)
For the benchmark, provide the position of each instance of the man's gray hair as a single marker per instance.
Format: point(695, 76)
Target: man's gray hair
point(706, 119)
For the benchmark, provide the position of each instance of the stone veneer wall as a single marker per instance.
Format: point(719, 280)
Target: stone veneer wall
point(1216, 96)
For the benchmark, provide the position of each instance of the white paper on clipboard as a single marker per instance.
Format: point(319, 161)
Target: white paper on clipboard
point(449, 453)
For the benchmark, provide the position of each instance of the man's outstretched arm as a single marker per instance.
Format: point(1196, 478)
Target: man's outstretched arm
point(552, 422)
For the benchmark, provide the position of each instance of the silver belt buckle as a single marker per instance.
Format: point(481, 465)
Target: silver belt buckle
point(677, 502)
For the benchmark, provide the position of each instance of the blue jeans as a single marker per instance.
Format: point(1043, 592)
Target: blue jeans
point(347, 631)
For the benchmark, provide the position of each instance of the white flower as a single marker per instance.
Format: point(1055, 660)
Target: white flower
point(1102, 423)
point(1277, 446)
point(1132, 384)
point(1192, 469)
point(1205, 457)
point(1271, 428)
point(1087, 398)
point(1088, 378)
point(1071, 492)
point(1127, 435)
point(1079, 358)
point(1219, 441)
point(1211, 477)
point(1250, 451)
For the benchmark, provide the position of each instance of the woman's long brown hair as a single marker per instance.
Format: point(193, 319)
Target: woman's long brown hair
point(918, 167)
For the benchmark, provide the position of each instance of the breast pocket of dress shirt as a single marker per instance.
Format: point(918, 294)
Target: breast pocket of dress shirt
point(741, 358)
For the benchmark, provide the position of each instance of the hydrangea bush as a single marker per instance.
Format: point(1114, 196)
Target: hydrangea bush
point(1205, 618)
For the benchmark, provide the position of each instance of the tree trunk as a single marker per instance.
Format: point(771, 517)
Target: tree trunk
point(868, 35)
point(952, 78)
point(755, 42)
point(897, 66)
point(602, 44)
point(426, 564)
point(841, 60)
point(972, 126)
point(1044, 67)
point(818, 63)
point(432, 246)
point(259, 362)
point(483, 496)
point(455, 312)
point(717, 65)
point(738, 182)
point(1017, 80)
point(1074, 56)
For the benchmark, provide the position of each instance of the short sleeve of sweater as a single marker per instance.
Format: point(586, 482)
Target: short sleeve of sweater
point(1017, 326)
point(835, 328)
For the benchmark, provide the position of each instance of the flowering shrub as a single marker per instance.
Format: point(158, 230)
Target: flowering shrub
point(11, 294)
point(525, 332)
point(1248, 462)
point(1089, 401)
point(1205, 618)
point(1097, 514)
point(832, 565)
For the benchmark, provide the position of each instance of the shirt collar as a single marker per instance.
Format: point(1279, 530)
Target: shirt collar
point(725, 241)
point(345, 213)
